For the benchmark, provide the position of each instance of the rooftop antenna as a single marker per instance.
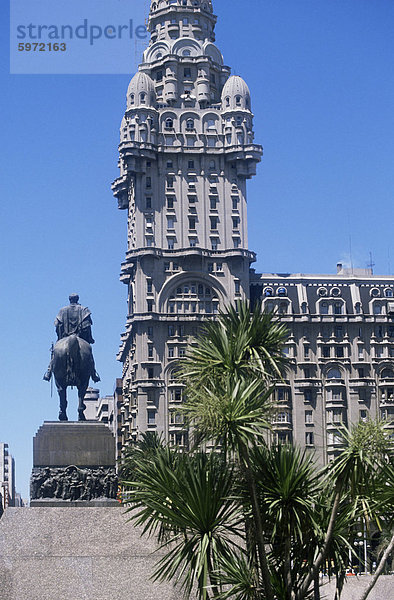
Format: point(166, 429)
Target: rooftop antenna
point(371, 264)
point(351, 252)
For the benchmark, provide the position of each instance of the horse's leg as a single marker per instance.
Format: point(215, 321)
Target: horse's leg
point(81, 403)
point(63, 405)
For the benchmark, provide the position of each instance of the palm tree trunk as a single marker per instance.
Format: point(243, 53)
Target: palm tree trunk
point(316, 587)
point(379, 569)
point(287, 567)
point(266, 576)
point(323, 552)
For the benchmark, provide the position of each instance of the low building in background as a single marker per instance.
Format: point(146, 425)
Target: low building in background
point(9, 497)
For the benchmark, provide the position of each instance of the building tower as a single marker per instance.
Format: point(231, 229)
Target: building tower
point(186, 151)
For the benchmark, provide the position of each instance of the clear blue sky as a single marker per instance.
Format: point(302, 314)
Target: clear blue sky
point(321, 73)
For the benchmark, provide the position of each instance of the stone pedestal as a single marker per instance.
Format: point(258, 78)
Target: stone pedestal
point(73, 465)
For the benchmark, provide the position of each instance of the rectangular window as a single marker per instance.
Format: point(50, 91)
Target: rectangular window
point(170, 223)
point(169, 164)
point(236, 242)
point(150, 305)
point(378, 352)
point(307, 373)
point(171, 243)
point(151, 373)
point(308, 416)
point(150, 242)
point(192, 222)
point(190, 164)
point(235, 203)
point(159, 76)
point(339, 331)
point(171, 352)
point(193, 242)
point(214, 243)
point(210, 267)
point(148, 182)
point(307, 396)
point(150, 350)
point(167, 266)
point(171, 330)
point(306, 351)
point(181, 352)
point(214, 222)
point(148, 203)
point(170, 202)
point(235, 222)
point(309, 441)
point(187, 73)
point(237, 287)
point(170, 182)
point(151, 417)
point(361, 373)
point(219, 267)
point(326, 351)
point(149, 286)
point(339, 352)
point(213, 203)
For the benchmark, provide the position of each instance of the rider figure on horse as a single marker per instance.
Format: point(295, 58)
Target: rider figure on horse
point(74, 319)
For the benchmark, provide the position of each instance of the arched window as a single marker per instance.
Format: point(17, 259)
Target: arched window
point(335, 292)
point(238, 100)
point(334, 374)
point(268, 291)
point(282, 291)
point(304, 308)
point(190, 124)
point(283, 306)
point(357, 307)
point(132, 98)
point(322, 291)
point(169, 123)
point(227, 101)
point(324, 308)
point(143, 98)
point(247, 103)
point(388, 293)
point(338, 308)
point(159, 55)
point(387, 374)
point(375, 292)
point(186, 52)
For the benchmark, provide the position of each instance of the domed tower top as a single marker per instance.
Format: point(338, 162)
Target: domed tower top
point(235, 94)
point(174, 19)
point(141, 91)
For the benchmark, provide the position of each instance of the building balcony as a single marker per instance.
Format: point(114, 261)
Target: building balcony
point(362, 383)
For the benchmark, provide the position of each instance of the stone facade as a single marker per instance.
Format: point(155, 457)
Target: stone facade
point(186, 151)
point(341, 352)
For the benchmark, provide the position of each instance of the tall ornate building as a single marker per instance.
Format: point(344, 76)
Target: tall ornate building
point(186, 151)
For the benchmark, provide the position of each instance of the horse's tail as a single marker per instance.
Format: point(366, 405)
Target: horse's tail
point(73, 360)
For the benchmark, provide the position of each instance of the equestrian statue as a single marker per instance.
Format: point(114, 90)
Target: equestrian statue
point(72, 362)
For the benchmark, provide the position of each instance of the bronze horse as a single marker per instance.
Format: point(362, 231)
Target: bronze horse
point(72, 366)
